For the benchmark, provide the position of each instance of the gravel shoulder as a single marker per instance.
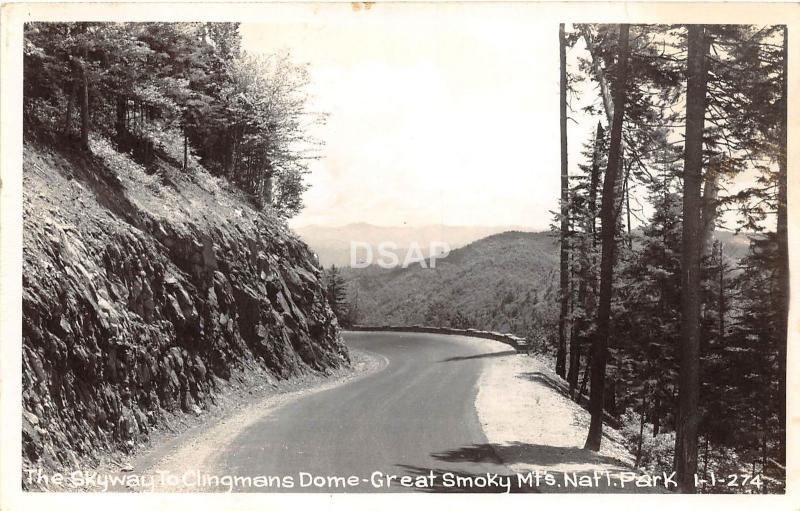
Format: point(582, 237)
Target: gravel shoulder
point(532, 424)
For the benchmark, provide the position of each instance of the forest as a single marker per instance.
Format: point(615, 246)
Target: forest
point(683, 343)
point(185, 93)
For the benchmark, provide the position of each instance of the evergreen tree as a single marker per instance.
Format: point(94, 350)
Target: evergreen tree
point(689, 379)
point(608, 222)
point(584, 243)
point(561, 354)
point(337, 294)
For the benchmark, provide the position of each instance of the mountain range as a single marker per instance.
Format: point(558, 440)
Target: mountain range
point(333, 244)
point(505, 282)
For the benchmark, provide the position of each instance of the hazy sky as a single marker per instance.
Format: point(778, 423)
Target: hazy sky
point(437, 115)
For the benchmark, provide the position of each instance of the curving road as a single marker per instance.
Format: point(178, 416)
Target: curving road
point(414, 416)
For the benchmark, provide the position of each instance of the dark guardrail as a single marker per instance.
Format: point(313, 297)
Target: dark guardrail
point(518, 343)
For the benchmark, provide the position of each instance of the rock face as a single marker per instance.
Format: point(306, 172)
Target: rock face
point(138, 298)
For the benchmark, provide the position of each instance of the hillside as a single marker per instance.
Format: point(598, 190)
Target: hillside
point(505, 282)
point(146, 289)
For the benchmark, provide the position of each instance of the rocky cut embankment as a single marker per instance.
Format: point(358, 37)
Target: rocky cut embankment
point(143, 292)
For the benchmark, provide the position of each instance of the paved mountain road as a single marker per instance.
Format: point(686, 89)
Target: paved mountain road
point(415, 415)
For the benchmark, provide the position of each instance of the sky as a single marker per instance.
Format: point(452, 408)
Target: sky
point(440, 117)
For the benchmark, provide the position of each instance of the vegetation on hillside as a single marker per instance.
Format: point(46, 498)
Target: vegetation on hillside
point(504, 283)
point(343, 302)
point(185, 93)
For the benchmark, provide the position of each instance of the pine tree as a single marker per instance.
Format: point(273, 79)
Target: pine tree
point(583, 241)
point(647, 323)
point(564, 252)
point(689, 382)
point(609, 222)
point(337, 293)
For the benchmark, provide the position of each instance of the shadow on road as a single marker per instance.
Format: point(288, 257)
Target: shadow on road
point(593, 473)
point(520, 452)
point(482, 355)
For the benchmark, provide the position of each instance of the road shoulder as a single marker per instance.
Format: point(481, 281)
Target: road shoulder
point(533, 425)
point(195, 449)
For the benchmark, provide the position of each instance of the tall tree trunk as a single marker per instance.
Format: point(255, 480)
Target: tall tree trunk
point(627, 198)
point(628, 210)
point(268, 185)
point(122, 104)
point(642, 414)
point(605, 89)
point(233, 153)
point(656, 416)
point(83, 96)
point(185, 148)
point(705, 464)
point(783, 259)
point(610, 396)
point(70, 98)
point(577, 331)
point(721, 297)
point(689, 354)
point(709, 212)
point(595, 180)
point(564, 280)
point(608, 224)
point(586, 298)
point(585, 379)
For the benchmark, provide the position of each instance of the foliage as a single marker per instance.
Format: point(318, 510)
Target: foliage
point(346, 311)
point(505, 282)
point(653, 452)
point(183, 92)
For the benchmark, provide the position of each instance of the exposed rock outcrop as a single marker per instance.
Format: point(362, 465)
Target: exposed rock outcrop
point(140, 292)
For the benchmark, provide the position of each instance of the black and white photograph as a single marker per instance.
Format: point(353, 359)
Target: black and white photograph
point(391, 248)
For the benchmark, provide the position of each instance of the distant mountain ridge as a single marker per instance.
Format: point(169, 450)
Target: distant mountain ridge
point(506, 282)
point(333, 244)
point(503, 282)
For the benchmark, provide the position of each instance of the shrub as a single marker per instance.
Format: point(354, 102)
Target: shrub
point(657, 451)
